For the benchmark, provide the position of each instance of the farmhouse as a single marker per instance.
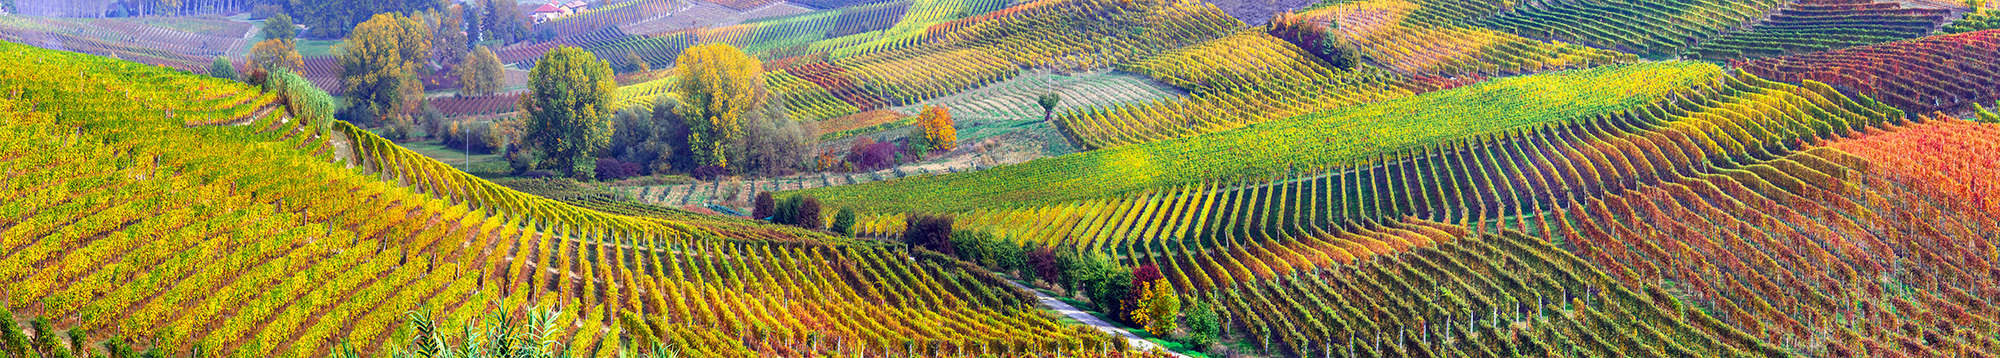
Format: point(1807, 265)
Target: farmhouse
point(554, 10)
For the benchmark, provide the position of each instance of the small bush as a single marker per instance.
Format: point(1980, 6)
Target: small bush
point(614, 169)
point(710, 172)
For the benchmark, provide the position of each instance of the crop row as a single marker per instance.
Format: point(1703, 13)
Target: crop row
point(476, 106)
point(1655, 28)
point(1721, 197)
point(610, 17)
point(1015, 99)
point(1819, 247)
point(1491, 180)
point(910, 27)
point(804, 100)
point(1327, 139)
point(1240, 80)
point(981, 50)
point(1820, 25)
point(1937, 73)
point(1384, 32)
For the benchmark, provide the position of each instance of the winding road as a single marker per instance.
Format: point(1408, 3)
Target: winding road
point(1060, 307)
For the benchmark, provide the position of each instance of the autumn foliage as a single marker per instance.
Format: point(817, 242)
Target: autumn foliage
point(719, 85)
point(938, 130)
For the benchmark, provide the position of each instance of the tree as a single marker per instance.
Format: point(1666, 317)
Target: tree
point(504, 21)
point(327, 19)
point(808, 215)
point(764, 206)
point(378, 64)
point(843, 222)
point(636, 63)
point(1204, 327)
point(1315, 39)
point(1042, 260)
point(771, 144)
point(937, 128)
point(1986, 116)
point(929, 231)
point(222, 69)
point(1157, 307)
point(167, 7)
point(719, 85)
point(867, 154)
point(480, 73)
point(276, 53)
point(1049, 102)
point(280, 27)
point(569, 109)
point(475, 24)
point(451, 41)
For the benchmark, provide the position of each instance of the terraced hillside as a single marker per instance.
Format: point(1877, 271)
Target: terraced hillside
point(1302, 143)
point(1387, 32)
point(1728, 216)
point(1652, 28)
point(187, 43)
point(1819, 25)
point(128, 216)
point(1937, 73)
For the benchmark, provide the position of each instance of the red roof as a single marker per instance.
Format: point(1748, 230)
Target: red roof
point(548, 8)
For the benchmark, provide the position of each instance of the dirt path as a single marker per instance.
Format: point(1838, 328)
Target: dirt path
point(1062, 308)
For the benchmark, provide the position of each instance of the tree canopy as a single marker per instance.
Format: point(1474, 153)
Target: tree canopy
point(719, 85)
point(937, 128)
point(480, 73)
point(569, 109)
point(503, 20)
point(280, 27)
point(274, 53)
point(334, 18)
point(379, 65)
point(221, 68)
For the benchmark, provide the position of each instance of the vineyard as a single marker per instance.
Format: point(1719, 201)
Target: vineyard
point(1236, 81)
point(1015, 98)
point(1938, 73)
point(152, 42)
point(1819, 25)
point(1652, 28)
point(1105, 178)
point(204, 245)
point(1323, 139)
point(1726, 219)
point(1386, 33)
point(738, 195)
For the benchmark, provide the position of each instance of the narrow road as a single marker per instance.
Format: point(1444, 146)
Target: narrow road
point(1060, 307)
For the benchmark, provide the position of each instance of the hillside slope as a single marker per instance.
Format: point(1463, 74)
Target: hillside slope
point(124, 215)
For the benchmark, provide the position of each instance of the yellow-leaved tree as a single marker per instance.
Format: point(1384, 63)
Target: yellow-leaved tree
point(938, 129)
point(480, 73)
point(274, 53)
point(379, 64)
point(718, 85)
point(1157, 307)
